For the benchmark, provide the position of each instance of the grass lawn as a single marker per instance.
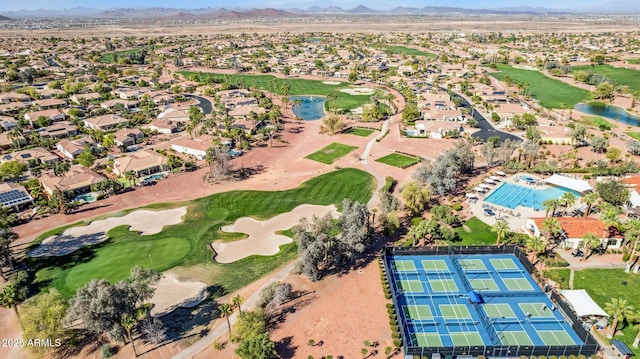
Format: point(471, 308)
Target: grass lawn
point(107, 58)
point(635, 135)
point(479, 234)
point(549, 92)
point(604, 284)
point(398, 160)
point(597, 122)
point(403, 50)
point(331, 153)
point(186, 245)
point(623, 76)
point(362, 132)
point(297, 86)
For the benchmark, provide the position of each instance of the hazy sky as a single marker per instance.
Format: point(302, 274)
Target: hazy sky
point(7, 5)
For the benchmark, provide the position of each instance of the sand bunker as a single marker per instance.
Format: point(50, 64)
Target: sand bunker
point(172, 293)
point(262, 239)
point(144, 221)
point(331, 82)
point(358, 91)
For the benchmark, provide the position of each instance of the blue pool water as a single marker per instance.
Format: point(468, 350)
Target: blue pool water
point(235, 153)
point(527, 178)
point(311, 108)
point(512, 195)
point(87, 197)
point(154, 177)
point(611, 112)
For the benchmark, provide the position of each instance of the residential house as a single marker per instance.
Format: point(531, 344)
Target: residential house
point(50, 103)
point(59, 130)
point(243, 112)
point(85, 97)
point(127, 136)
point(14, 97)
point(72, 148)
point(31, 156)
point(127, 104)
point(104, 122)
point(143, 163)
point(14, 196)
point(7, 141)
point(7, 122)
point(633, 184)
point(77, 179)
point(574, 228)
point(196, 147)
point(163, 126)
point(52, 114)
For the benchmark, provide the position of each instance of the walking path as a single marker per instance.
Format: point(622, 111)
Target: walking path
point(364, 158)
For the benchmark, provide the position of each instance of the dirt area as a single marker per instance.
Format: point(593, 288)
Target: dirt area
point(143, 221)
point(261, 235)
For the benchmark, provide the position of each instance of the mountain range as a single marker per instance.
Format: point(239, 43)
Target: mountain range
point(618, 6)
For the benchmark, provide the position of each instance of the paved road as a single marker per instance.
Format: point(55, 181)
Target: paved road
point(365, 162)
point(203, 103)
point(486, 128)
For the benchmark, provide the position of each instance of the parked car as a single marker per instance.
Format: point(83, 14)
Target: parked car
point(577, 253)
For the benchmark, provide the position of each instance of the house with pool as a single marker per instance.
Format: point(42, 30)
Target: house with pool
point(574, 228)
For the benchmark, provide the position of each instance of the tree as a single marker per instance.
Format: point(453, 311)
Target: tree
point(619, 310)
point(633, 146)
point(415, 196)
point(86, 158)
point(237, 302)
point(128, 323)
point(550, 205)
point(7, 235)
point(598, 144)
point(257, 347)
point(411, 111)
point(131, 177)
point(501, 229)
point(590, 199)
point(225, 312)
point(11, 296)
point(332, 124)
point(613, 154)
point(568, 199)
point(604, 90)
point(532, 134)
point(591, 241)
point(632, 237)
point(364, 352)
point(12, 170)
point(552, 226)
point(578, 134)
point(42, 317)
point(61, 167)
point(613, 191)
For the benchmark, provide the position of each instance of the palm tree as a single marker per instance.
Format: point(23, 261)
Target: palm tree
point(611, 220)
point(590, 199)
point(11, 296)
point(132, 177)
point(225, 312)
point(568, 199)
point(237, 301)
point(550, 205)
point(415, 196)
point(636, 320)
point(632, 235)
point(619, 310)
point(552, 226)
point(128, 323)
point(591, 241)
point(500, 228)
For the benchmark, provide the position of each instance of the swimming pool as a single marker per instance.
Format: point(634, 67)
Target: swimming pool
point(512, 195)
point(154, 177)
point(528, 178)
point(87, 197)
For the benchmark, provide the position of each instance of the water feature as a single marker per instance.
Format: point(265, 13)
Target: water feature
point(608, 111)
point(310, 109)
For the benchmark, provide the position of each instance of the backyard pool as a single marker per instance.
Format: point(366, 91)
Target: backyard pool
point(87, 197)
point(154, 177)
point(512, 195)
point(235, 153)
point(311, 108)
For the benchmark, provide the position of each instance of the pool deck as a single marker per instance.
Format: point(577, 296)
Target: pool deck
point(509, 215)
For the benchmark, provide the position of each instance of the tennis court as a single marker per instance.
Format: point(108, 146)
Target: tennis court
point(443, 285)
point(411, 285)
point(483, 284)
point(472, 265)
point(514, 284)
point(537, 310)
point(404, 266)
point(502, 310)
point(503, 263)
point(436, 311)
point(418, 312)
point(434, 265)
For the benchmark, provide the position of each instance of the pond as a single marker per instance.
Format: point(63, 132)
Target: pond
point(611, 112)
point(310, 109)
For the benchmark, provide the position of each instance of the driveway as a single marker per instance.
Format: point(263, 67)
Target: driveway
point(486, 128)
point(203, 103)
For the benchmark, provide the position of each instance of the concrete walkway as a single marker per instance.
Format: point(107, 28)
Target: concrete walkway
point(365, 162)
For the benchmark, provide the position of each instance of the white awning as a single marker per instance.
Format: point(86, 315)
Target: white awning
point(495, 178)
point(479, 189)
point(583, 304)
point(500, 173)
point(634, 198)
point(471, 195)
point(570, 183)
point(489, 181)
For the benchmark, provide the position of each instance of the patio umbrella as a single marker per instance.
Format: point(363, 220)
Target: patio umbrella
point(479, 189)
point(482, 185)
point(500, 173)
point(489, 181)
point(470, 195)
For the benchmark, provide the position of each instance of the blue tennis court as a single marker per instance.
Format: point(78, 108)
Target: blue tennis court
point(437, 308)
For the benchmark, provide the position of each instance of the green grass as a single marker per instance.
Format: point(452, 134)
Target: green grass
point(635, 135)
point(623, 76)
point(331, 153)
point(297, 86)
point(550, 93)
point(480, 234)
point(403, 50)
point(107, 58)
point(560, 276)
point(186, 245)
point(398, 160)
point(362, 132)
point(597, 122)
point(604, 284)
